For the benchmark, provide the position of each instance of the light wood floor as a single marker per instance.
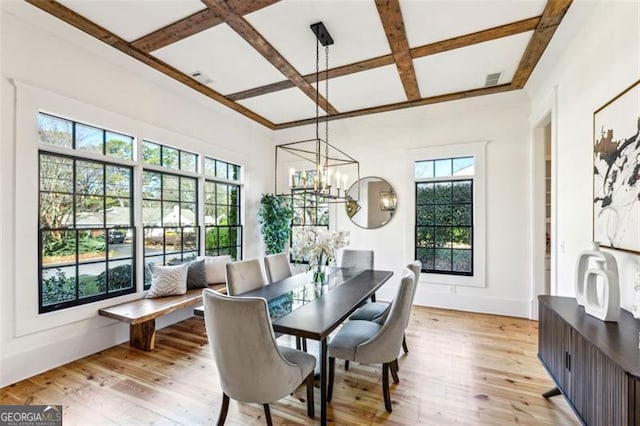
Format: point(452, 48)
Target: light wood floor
point(462, 368)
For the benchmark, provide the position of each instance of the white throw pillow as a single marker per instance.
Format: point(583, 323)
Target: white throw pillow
point(216, 269)
point(168, 280)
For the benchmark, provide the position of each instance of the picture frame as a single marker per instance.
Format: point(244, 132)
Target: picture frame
point(616, 171)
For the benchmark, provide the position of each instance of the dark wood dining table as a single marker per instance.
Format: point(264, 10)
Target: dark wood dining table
point(303, 309)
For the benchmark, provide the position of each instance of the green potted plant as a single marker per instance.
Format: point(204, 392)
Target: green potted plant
point(275, 219)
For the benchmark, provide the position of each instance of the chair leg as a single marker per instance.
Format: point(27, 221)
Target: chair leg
point(310, 402)
point(304, 344)
point(298, 346)
point(223, 410)
point(346, 365)
point(267, 414)
point(332, 371)
point(394, 371)
point(385, 386)
point(404, 344)
point(373, 297)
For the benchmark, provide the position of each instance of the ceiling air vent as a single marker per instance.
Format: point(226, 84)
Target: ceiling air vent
point(201, 77)
point(492, 79)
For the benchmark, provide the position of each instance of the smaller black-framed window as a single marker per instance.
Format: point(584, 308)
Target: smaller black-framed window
point(86, 234)
point(308, 212)
point(444, 215)
point(65, 133)
point(170, 158)
point(222, 217)
point(214, 168)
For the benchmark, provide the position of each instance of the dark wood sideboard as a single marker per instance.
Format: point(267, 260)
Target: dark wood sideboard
point(595, 364)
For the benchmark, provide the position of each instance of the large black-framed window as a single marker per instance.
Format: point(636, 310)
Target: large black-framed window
point(169, 219)
point(86, 233)
point(308, 212)
point(222, 208)
point(444, 215)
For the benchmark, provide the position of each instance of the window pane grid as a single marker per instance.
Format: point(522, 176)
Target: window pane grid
point(65, 133)
point(307, 213)
point(76, 246)
point(223, 230)
point(169, 157)
point(170, 226)
point(444, 226)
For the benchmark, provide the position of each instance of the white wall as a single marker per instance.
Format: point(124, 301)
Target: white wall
point(591, 59)
point(383, 143)
point(92, 83)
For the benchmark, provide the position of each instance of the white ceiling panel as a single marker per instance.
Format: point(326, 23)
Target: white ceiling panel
point(132, 19)
point(467, 68)
point(431, 21)
point(283, 106)
point(224, 56)
point(378, 86)
point(354, 25)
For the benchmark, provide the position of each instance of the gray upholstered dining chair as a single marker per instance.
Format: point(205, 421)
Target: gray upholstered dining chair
point(277, 267)
point(251, 365)
point(377, 311)
point(356, 259)
point(244, 275)
point(372, 343)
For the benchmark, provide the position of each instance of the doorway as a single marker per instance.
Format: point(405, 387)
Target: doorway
point(542, 212)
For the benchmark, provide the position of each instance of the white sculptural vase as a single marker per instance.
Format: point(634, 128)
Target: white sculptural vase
point(605, 268)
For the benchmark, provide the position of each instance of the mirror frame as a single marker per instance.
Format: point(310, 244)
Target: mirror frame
point(351, 207)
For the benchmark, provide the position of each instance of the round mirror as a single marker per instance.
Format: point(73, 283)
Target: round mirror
point(371, 203)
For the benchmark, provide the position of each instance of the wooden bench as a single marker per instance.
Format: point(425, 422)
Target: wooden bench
point(141, 314)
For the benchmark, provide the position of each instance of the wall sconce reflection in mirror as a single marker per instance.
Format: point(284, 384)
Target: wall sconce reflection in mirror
point(388, 200)
point(352, 207)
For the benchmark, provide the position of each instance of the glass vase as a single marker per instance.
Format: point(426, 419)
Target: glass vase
point(320, 274)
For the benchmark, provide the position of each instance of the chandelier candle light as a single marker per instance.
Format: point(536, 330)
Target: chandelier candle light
point(319, 168)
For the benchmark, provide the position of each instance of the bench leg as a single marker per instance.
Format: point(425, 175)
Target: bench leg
point(143, 335)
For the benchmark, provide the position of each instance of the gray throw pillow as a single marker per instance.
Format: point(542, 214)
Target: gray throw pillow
point(197, 275)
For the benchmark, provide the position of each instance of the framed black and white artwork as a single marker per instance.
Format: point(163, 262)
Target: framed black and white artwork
point(616, 172)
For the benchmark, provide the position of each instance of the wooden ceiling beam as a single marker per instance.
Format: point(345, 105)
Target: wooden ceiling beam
point(260, 44)
point(391, 17)
point(477, 37)
point(402, 105)
point(553, 14)
point(417, 52)
point(83, 24)
point(193, 24)
point(311, 78)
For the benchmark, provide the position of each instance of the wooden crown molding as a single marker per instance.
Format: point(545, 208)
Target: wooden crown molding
point(553, 14)
point(83, 24)
point(391, 17)
point(193, 24)
point(262, 46)
point(417, 52)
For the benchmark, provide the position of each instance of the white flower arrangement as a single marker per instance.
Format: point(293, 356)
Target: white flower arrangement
point(319, 247)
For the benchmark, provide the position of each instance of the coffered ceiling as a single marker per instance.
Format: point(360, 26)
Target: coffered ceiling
point(258, 57)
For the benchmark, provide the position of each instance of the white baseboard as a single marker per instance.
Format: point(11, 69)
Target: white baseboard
point(473, 303)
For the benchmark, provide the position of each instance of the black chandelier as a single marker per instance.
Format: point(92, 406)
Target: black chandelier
point(314, 166)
